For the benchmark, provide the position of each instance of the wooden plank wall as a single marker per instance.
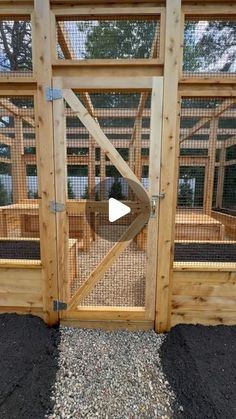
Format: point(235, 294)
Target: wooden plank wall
point(204, 295)
point(21, 288)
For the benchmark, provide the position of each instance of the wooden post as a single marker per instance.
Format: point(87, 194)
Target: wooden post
point(62, 221)
point(211, 165)
point(168, 164)
point(154, 190)
point(138, 148)
point(19, 185)
point(45, 155)
point(102, 175)
point(221, 178)
point(91, 169)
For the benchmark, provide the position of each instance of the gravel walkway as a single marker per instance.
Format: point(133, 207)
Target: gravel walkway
point(111, 375)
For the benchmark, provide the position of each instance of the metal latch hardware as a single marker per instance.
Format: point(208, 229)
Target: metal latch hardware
point(59, 305)
point(53, 94)
point(56, 207)
point(154, 201)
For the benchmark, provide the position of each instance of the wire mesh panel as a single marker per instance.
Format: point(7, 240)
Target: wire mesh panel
point(19, 219)
point(206, 216)
point(15, 46)
point(93, 179)
point(209, 46)
point(105, 37)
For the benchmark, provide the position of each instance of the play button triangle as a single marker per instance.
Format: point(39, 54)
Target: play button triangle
point(117, 210)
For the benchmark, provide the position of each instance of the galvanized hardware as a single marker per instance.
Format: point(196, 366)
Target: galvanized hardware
point(53, 94)
point(56, 207)
point(59, 305)
point(154, 201)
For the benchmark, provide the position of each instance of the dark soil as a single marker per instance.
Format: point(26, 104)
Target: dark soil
point(226, 211)
point(205, 252)
point(19, 249)
point(200, 365)
point(184, 252)
point(28, 365)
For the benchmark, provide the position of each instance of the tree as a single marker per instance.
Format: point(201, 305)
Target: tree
point(15, 45)
point(118, 38)
point(116, 190)
point(70, 191)
point(210, 46)
point(185, 195)
point(4, 199)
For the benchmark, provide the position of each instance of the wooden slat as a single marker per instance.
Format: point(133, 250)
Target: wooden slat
point(180, 302)
point(212, 318)
point(106, 313)
point(108, 260)
point(131, 325)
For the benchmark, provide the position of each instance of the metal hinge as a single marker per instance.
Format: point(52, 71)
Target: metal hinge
point(53, 94)
point(59, 305)
point(154, 200)
point(56, 207)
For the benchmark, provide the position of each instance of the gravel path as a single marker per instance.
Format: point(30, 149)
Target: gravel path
point(111, 375)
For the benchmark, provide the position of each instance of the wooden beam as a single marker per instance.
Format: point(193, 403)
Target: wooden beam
point(105, 144)
point(62, 221)
point(45, 156)
point(19, 187)
point(154, 190)
point(14, 110)
point(211, 165)
point(168, 164)
point(220, 179)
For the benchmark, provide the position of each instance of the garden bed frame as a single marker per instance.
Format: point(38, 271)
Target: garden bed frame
point(183, 292)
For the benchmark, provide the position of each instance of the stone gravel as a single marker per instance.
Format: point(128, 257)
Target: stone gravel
point(111, 375)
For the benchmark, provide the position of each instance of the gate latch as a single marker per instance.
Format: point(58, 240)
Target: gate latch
point(154, 201)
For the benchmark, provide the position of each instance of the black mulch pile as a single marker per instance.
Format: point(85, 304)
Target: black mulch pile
point(200, 364)
point(205, 252)
point(28, 365)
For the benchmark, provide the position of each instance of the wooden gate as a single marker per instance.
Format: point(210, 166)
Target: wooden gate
point(107, 273)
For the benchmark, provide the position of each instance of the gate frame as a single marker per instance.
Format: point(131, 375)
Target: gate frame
point(128, 317)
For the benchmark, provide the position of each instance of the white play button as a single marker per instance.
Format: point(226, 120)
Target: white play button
point(117, 210)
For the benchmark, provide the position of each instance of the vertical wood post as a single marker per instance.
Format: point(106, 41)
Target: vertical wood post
point(168, 164)
point(211, 165)
point(19, 186)
point(45, 155)
point(62, 220)
point(102, 174)
point(154, 190)
point(91, 169)
point(221, 178)
point(138, 148)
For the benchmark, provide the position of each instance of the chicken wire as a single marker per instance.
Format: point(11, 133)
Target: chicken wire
point(207, 180)
point(92, 176)
point(107, 37)
point(209, 46)
point(19, 216)
point(15, 46)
